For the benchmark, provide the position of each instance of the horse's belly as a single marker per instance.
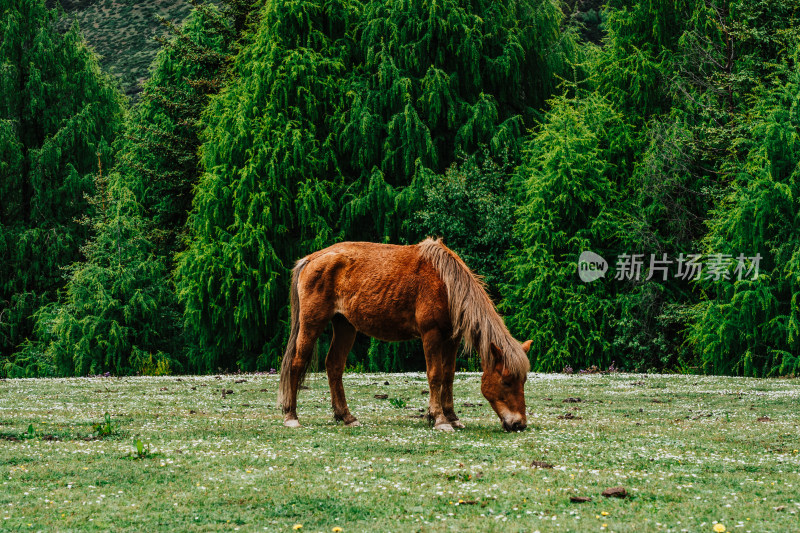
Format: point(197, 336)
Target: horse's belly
point(388, 321)
point(386, 332)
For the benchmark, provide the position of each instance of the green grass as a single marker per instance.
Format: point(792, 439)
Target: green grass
point(688, 449)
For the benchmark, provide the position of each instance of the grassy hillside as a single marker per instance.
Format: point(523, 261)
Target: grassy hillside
point(122, 32)
point(691, 452)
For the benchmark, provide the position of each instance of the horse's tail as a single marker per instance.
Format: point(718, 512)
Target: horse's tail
point(291, 347)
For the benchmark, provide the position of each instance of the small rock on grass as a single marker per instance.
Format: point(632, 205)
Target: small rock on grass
point(540, 464)
point(764, 419)
point(381, 396)
point(615, 492)
point(579, 499)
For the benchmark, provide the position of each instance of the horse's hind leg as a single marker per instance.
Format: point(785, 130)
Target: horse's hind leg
point(344, 334)
point(449, 351)
point(306, 341)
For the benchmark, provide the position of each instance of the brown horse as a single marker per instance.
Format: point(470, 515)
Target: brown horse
point(397, 293)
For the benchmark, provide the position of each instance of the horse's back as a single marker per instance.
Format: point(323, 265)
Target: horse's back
point(386, 291)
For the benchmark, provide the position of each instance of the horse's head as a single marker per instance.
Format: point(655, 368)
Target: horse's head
point(505, 391)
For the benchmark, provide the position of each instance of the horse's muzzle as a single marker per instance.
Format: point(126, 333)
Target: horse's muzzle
point(516, 426)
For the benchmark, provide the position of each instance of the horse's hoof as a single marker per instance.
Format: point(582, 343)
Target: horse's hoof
point(293, 423)
point(353, 424)
point(457, 424)
point(444, 427)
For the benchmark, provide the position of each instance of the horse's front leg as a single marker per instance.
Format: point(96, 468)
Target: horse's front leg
point(449, 351)
point(432, 343)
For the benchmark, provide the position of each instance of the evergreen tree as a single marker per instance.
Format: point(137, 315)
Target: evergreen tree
point(119, 312)
point(58, 116)
point(698, 87)
point(267, 142)
point(334, 110)
point(438, 79)
point(573, 203)
point(746, 323)
point(159, 159)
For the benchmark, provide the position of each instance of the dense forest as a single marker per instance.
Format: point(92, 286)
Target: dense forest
point(156, 235)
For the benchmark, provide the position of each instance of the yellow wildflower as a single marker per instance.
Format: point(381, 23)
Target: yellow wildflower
point(337, 529)
point(297, 526)
point(720, 528)
point(604, 513)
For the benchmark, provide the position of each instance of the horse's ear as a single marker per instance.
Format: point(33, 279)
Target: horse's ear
point(526, 346)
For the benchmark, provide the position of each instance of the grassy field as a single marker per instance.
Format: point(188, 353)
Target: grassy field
point(690, 451)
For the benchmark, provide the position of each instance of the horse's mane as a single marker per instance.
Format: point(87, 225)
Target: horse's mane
point(472, 312)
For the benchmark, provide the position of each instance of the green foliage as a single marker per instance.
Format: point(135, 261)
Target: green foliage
point(119, 312)
point(749, 106)
point(705, 160)
point(435, 80)
point(750, 324)
point(58, 116)
point(470, 207)
point(148, 364)
point(272, 129)
point(392, 356)
point(636, 59)
point(116, 303)
point(335, 112)
point(266, 143)
point(357, 368)
point(571, 204)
